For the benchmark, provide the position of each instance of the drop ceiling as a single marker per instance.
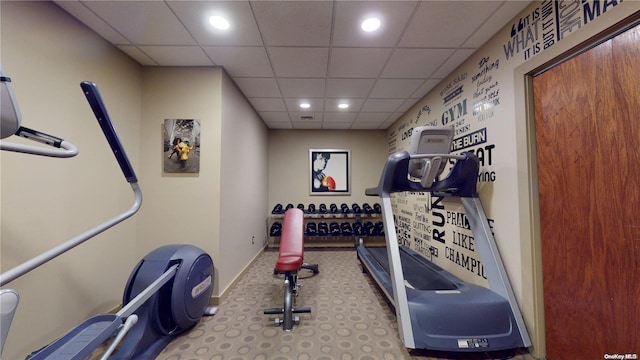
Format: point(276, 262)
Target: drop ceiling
point(281, 53)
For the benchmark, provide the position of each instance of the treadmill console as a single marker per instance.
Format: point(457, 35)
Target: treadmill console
point(428, 144)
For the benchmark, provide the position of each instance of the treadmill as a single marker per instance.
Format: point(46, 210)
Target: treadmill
point(435, 309)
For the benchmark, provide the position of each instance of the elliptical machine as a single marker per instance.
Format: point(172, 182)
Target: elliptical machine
point(168, 291)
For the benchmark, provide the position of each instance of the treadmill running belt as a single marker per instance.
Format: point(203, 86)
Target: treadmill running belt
point(419, 275)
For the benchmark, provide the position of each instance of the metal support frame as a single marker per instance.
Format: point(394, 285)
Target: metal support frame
point(490, 255)
point(461, 183)
point(290, 292)
point(487, 248)
point(400, 301)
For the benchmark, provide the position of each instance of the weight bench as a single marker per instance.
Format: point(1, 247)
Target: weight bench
point(290, 261)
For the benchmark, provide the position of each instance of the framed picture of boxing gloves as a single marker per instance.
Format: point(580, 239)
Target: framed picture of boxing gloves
point(329, 172)
point(181, 152)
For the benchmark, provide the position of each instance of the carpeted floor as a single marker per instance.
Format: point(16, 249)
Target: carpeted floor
point(350, 319)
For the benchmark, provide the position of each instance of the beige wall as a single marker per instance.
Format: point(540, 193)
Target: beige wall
point(289, 163)
point(244, 186)
point(222, 208)
point(46, 201)
point(180, 207)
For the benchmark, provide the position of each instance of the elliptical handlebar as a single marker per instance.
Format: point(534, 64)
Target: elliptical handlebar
point(95, 101)
point(10, 125)
point(97, 105)
point(61, 148)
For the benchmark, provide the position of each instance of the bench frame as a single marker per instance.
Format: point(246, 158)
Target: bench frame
point(289, 263)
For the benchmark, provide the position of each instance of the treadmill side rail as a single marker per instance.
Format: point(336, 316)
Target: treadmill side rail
point(495, 271)
point(397, 276)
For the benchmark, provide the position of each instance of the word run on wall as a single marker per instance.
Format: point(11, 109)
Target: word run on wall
point(434, 226)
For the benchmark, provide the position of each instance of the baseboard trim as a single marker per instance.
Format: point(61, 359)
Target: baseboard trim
point(216, 300)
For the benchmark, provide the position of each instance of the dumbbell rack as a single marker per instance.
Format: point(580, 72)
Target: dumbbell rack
point(333, 238)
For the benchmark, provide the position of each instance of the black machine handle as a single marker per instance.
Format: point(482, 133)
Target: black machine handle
point(95, 101)
point(39, 136)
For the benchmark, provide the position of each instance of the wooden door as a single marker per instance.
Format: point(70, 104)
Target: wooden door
point(587, 113)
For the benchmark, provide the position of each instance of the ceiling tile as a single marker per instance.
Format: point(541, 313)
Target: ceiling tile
point(332, 104)
point(299, 123)
point(349, 15)
point(242, 31)
point(309, 88)
point(425, 88)
point(349, 88)
point(303, 125)
point(357, 62)
point(177, 55)
point(295, 116)
point(241, 61)
point(415, 63)
point(143, 22)
point(496, 21)
point(391, 119)
point(406, 106)
point(294, 23)
point(89, 18)
point(381, 105)
point(137, 55)
point(293, 104)
point(440, 19)
point(299, 61)
point(372, 117)
point(336, 126)
point(458, 57)
point(275, 116)
point(279, 52)
point(366, 125)
point(279, 125)
point(340, 117)
point(268, 104)
point(258, 87)
point(395, 88)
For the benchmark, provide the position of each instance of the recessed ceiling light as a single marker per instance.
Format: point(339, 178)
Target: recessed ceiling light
point(219, 22)
point(343, 105)
point(305, 105)
point(370, 24)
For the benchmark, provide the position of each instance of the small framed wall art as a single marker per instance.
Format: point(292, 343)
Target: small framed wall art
point(181, 146)
point(329, 172)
